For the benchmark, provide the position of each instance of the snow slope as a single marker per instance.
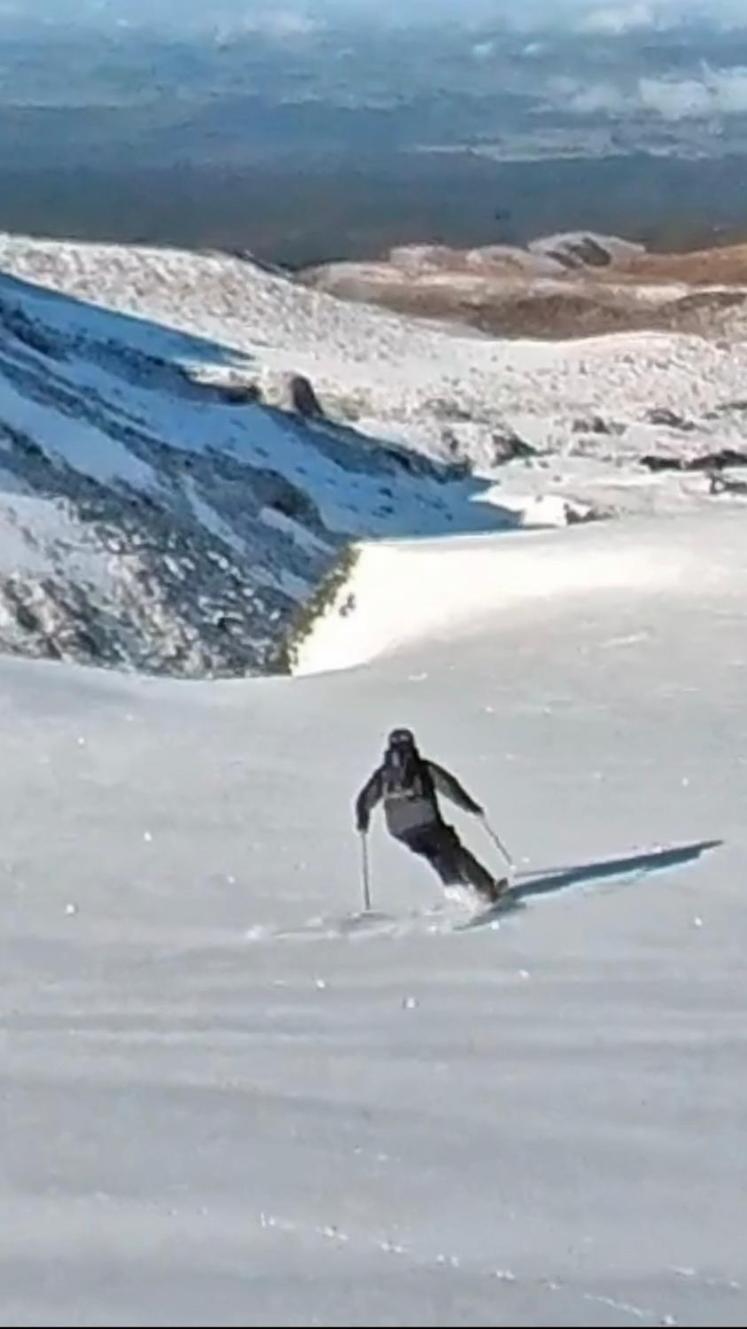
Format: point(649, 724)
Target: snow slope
point(154, 515)
point(402, 591)
point(220, 1107)
point(588, 408)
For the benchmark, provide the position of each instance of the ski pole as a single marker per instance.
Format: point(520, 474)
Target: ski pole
point(365, 874)
point(495, 837)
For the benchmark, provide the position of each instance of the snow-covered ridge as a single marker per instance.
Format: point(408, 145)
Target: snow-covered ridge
point(154, 514)
point(586, 410)
point(159, 511)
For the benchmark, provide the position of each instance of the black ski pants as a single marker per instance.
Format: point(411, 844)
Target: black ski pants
point(443, 849)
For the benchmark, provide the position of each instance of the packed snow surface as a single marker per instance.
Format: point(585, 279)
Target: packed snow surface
point(224, 1103)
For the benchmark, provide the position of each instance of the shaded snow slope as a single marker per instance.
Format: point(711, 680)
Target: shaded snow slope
point(588, 410)
point(148, 520)
point(218, 1108)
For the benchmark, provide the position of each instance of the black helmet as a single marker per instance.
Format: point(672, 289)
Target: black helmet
point(402, 738)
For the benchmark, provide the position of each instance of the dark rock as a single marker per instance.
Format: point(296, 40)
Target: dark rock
point(508, 446)
point(595, 424)
point(720, 484)
point(661, 415)
point(239, 394)
point(708, 461)
point(303, 397)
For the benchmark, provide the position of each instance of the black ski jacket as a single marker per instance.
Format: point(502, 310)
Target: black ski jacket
point(411, 805)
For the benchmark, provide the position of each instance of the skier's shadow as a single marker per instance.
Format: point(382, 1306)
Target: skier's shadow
point(530, 884)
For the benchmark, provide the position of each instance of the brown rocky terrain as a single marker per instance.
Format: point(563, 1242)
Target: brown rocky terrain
point(563, 286)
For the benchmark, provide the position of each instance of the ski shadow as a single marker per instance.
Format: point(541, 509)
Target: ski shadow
point(656, 860)
point(563, 879)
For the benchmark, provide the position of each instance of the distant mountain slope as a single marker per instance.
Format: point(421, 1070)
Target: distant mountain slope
point(568, 285)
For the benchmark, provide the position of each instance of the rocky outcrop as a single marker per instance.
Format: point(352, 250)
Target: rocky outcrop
point(579, 284)
point(164, 505)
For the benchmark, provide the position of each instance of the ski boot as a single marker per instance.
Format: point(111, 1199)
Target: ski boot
point(498, 890)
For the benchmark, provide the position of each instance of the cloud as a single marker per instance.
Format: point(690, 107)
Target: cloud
point(730, 90)
point(609, 18)
point(720, 92)
point(277, 24)
point(717, 92)
point(598, 98)
point(285, 23)
point(591, 17)
point(614, 20)
point(620, 16)
point(295, 18)
point(675, 98)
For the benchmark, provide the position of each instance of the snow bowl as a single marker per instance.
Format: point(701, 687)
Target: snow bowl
point(399, 592)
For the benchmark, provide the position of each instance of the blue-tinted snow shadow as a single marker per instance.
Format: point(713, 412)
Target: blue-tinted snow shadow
point(109, 337)
point(531, 885)
point(657, 860)
point(138, 329)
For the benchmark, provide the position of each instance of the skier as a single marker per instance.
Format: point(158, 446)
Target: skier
point(407, 783)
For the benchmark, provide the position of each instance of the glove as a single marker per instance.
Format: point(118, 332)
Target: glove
point(363, 827)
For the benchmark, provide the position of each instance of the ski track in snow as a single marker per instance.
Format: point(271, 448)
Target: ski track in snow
point(429, 1263)
point(437, 921)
